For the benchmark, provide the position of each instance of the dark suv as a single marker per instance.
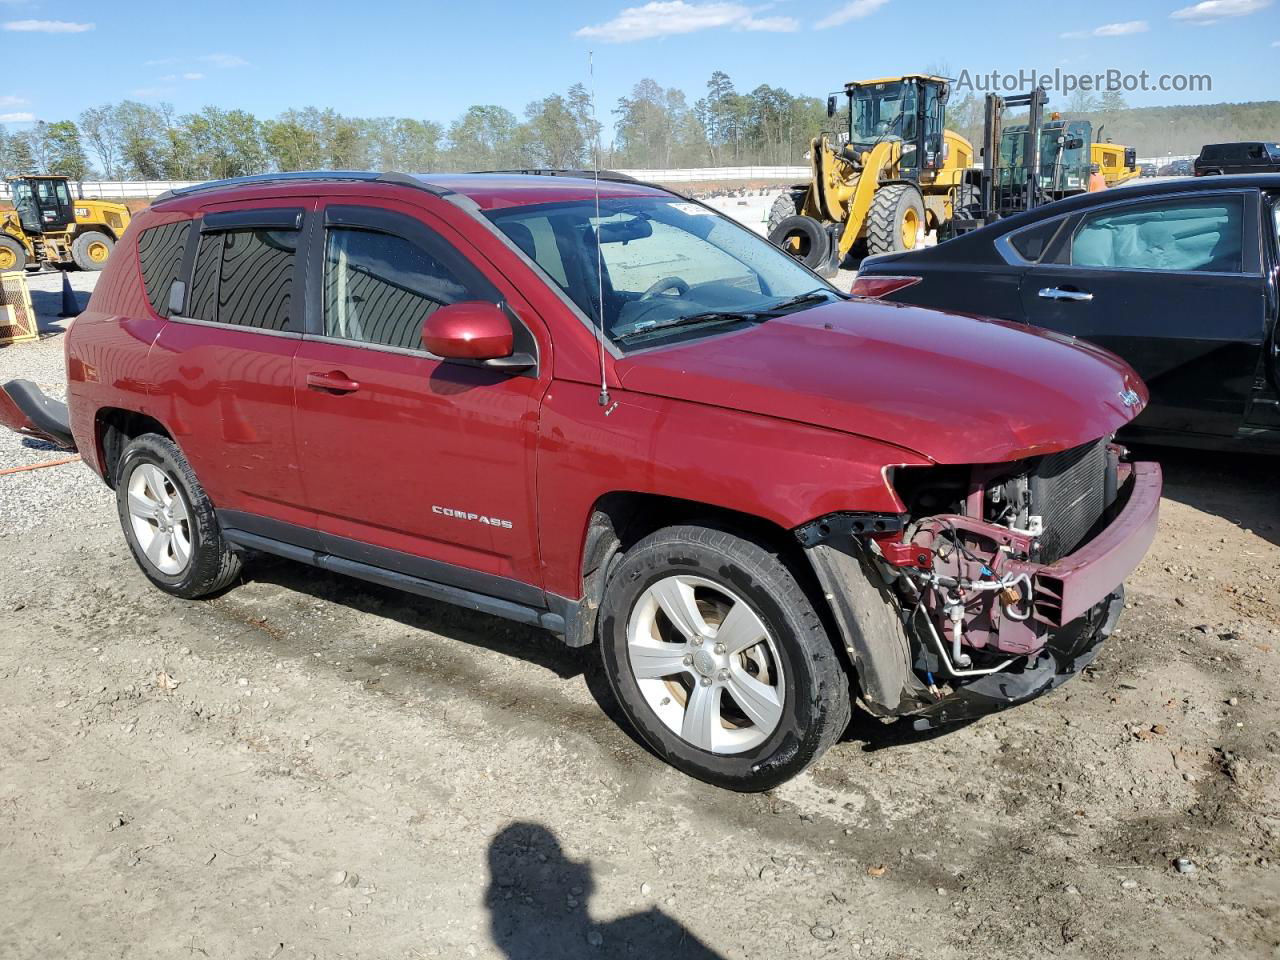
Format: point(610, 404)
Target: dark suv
point(612, 413)
point(1245, 157)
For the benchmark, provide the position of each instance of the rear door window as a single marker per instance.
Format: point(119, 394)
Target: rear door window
point(245, 278)
point(1181, 235)
point(160, 252)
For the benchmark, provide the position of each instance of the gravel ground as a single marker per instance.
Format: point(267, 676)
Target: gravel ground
point(307, 766)
point(28, 499)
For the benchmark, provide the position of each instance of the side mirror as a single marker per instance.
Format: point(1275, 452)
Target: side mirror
point(831, 106)
point(470, 330)
point(476, 332)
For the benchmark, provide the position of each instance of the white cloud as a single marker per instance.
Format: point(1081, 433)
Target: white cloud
point(12, 101)
point(47, 26)
point(662, 18)
point(176, 77)
point(1211, 11)
point(1275, 43)
point(193, 76)
point(17, 117)
point(1110, 30)
point(226, 61)
point(854, 10)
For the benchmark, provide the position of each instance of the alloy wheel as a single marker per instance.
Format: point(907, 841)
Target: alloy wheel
point(705, 664)
point(160, 519)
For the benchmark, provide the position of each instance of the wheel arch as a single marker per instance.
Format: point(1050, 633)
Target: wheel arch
point(621, 518)
point(114, 428)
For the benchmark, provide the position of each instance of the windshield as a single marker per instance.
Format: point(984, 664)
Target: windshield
point(882, 109)
point(664, 262)
point(1062, 167)
point(21, 194)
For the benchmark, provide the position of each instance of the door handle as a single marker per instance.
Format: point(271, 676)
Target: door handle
point(335, 381)
point(1058, 293)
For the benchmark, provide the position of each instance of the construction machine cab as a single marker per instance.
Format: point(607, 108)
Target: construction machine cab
point(43, 204)
point(910, 109)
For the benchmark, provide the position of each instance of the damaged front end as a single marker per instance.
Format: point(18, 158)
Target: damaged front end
point(996, 584)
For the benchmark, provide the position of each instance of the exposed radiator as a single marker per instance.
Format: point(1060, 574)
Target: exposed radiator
point(1068, 490)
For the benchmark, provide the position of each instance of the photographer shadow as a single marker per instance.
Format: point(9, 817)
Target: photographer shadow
point(538, 902)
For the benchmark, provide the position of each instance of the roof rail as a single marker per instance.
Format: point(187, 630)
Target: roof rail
point(355, 176)
point(556, 172)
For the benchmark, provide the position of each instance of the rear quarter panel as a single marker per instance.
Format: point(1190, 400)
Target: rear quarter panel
point(108, 345)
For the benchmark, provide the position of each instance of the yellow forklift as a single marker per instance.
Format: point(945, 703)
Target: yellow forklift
point(894, 174)
point(48, 227)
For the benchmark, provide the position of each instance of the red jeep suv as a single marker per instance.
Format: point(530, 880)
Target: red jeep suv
point(606, 410)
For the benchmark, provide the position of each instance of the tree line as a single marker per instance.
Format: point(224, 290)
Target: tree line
point(653, 127)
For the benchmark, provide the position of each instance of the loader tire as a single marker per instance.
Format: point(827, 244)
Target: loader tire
point(803, 238)
point(788, 204)
point(91, 250)
point(13, 256)
point(895, 219)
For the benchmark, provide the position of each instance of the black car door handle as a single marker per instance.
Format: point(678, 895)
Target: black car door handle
point(1058, 293)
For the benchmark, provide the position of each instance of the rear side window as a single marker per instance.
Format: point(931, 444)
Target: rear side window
point(1204, 234)
point(378, 288)
point(160, 251)
point(244, 278)
point(1032, 242)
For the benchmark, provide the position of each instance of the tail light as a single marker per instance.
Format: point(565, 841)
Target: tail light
point(877, 287)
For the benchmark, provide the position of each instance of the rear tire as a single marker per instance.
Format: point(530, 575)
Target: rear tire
point(803, 238)
point(13, 255)
point(895, 219)
point(91, 250)
point(788, 204)
point(169, 522)
point(743, 641)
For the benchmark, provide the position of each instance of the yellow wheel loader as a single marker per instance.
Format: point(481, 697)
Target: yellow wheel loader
point(48, 227)
point(897, 173)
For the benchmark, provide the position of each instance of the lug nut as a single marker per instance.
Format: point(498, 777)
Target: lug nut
point(697, 641)
point(688, 661)
point(706, 681)
point(719, 648)
point(723, 676)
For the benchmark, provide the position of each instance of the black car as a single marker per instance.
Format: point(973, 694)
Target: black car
point(1178, 277)
point(1244, 157)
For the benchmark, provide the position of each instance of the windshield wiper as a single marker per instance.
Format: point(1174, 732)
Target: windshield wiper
point(711, 316)
point(813, 296)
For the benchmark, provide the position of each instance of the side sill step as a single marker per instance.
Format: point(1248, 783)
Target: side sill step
point(506, 609)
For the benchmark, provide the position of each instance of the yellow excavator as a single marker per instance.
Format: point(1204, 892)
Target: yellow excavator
point(896, 173)
point(48, 227)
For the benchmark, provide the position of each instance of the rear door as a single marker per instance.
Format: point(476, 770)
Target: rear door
point(224, 363)
point(410, 462)
point(1173, 285)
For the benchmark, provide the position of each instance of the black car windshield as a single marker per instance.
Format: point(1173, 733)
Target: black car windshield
point(664, 263)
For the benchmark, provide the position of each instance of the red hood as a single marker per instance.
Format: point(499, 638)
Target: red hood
point(953, 388)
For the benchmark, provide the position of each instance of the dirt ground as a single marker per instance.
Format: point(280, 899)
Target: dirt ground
point(308, 766)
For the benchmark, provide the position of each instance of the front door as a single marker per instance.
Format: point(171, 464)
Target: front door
point(1174, 286)
point(411, 462)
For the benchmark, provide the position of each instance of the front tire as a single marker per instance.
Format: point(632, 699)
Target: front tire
point(896, 219)
point(169, 521)
point(13, 255)
point(719, 660)
point(91, 250)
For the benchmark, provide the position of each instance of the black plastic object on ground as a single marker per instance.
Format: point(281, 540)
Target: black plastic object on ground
point(70, 305)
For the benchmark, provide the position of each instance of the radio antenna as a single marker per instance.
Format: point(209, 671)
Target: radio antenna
point(595, 167)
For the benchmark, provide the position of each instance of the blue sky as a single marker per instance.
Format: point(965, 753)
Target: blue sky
point(431, 61)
